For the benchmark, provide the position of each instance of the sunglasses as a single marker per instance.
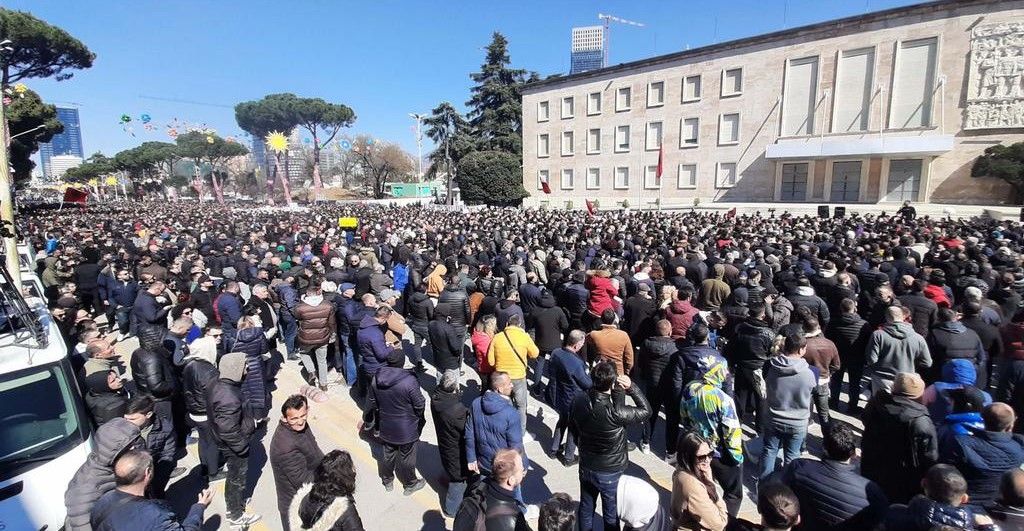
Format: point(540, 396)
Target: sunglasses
point(704, 457)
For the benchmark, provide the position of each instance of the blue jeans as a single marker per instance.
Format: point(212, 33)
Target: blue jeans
point(591, 485)
point(289, 331)
point(122, 316)
point(348, 363)
point(453, 498)
point(788, 438)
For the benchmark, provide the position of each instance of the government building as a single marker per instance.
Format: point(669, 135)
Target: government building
point(873, 109)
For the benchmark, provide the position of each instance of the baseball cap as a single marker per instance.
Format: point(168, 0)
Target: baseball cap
point(908, 384)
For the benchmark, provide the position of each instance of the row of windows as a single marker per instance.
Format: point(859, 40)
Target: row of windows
point(732, 85)
point(686, 177)
point(914, 79)
point(689, 136)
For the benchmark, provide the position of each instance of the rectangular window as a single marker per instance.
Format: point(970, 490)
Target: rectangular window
point(542, 177)
point(594, 141)
point(801, 97)
point(689, 132)
point(732, 82)
point(913, 84)
point(794, 182)
point(691, 88)
point(543, 111)
point(622, 177)
point(567, 180)
point(622, 139)
point(687, 176)
point(594, 103)
point(855, 83)
point(653, 135)
point(726, 175)
point(543, 146)
point(568, 107)
point(845, 181)
point(729, 129)
point(593, 178)
point(651, 179)
point(567, 144)
point(904, 180)
point(623, 98)
point(656, 94)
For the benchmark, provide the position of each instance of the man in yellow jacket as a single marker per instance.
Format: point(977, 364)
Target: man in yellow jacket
point(509, 352)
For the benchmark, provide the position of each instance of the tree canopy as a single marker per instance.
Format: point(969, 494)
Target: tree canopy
point(30, 122)
point(39, 49)
point(209, 153)
point(491, 177)
point(1006, 163)
point(495, 104)
point(315, 116)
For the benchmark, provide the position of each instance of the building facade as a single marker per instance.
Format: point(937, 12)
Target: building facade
point(878, 108)
point(587, 49)
point(68, 142)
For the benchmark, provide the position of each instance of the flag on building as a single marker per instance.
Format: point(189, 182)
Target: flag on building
point(590, 207)
point(661, 154)
point(544, 184)
point(731, 213)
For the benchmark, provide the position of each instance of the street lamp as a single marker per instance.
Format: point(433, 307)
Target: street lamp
point(419, 117)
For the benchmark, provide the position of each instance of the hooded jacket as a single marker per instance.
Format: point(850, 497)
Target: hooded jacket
point(956, 374)
point(435, 281)
point(602, 293)
point(450, 417)
point(493, 425)
point(681, 314)
point(231, 418)
point(549, 322)
point(893, 349)
point(505, 309)
point(804, 296)
point(396, 397)
point(899, 445)
point(96, 476)
point(338, 515)
point(789, 382)
point(752, 345)
point(373, 348)
point(199, 372)
point(953, 340)
point(707, 409)
point(420, 309)
point(252, 343)
point(714, 291)
point(103, 402)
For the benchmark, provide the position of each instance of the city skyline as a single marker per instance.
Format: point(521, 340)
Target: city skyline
point(198, 79)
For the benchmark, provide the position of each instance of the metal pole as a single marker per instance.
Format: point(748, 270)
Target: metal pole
point(7, 203)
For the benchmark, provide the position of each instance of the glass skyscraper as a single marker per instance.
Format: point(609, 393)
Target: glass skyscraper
point(68, 142)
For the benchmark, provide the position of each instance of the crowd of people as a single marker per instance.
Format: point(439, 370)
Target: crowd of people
point(735, 333)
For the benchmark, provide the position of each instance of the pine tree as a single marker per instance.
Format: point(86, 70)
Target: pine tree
point(495, 108)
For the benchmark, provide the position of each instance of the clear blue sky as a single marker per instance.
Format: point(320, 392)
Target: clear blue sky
point(383, 58)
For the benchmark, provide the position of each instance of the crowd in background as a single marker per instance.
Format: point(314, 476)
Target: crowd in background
point(725, 329)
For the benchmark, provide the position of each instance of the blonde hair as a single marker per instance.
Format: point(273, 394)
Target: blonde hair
point(487, 324)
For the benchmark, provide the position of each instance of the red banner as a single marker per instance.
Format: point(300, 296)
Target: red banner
point(73, 195)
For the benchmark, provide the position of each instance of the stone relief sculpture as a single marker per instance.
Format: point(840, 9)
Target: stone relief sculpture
point(995, 89)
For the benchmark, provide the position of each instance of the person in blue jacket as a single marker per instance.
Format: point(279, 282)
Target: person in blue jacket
point(568, 378)
point(494, 425)
point(373, 348)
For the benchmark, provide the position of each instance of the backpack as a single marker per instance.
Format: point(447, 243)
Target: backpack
point(473, 511)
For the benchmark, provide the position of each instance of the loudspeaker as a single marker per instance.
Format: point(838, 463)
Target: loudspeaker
point(839, 212)
point(822, 211)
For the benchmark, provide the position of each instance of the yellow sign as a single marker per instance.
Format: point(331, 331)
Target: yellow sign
point(110, 181)
point(348, 223)
point(93, 182)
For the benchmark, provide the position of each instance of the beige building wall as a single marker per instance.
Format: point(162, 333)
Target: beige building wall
point(945, 148)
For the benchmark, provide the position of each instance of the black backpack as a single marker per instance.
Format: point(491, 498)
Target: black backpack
point(473, 511)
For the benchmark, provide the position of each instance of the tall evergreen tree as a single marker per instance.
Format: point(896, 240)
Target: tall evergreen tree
point(495, 107)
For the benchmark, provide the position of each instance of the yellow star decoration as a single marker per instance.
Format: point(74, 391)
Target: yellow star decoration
point(20, 88)
point(110, 181)
point(277, 141)
point(209, 140)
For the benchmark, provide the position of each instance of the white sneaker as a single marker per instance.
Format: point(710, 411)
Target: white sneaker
point(532, 512)
point(244, 521)
point(527, 438)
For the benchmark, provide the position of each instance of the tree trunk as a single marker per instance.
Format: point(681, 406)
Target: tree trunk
point(218, 191)
point(1018, 192)
point(285, 186)
point(318, 184)
point(268, 188)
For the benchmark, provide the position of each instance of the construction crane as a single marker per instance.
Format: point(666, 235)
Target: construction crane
point(608, 19)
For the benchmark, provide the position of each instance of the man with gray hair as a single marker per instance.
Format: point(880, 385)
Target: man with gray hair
point(894, 348)
point(127, 507)
point(450, 415)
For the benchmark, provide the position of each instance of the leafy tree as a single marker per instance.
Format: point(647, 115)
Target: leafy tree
point(1006, 163)
point(34, 122)
point(492, 177)
point(381, 162)
point(209, 153)
point(92, 171)
point(39, 49)
point(450, 133)
point(147, 163)
point(496, 102)
point(315, 116)
point(261, 117)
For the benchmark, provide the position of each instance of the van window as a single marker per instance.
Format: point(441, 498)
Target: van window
point(39, 420)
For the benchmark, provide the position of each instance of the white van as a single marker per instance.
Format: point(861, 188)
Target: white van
point(45, 432)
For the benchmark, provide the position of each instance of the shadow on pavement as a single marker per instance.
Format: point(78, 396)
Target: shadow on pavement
point(433, 521)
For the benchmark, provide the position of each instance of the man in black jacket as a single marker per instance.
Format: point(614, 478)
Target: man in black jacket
point(832, 494)
point(233, 424)
point(199, 372)
point(159, 442)
point(747, 353)
point(900, 442)
point(454, 302)
point(950, 339)
point(294, 453)
point(549, 322)
point(496, 497)
point(655, 354)
point(599, 420)
point(446, 344)
point(850, 334)
point(155, 377)
point(923, 311)
point(150, 314)
point(450, 415)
